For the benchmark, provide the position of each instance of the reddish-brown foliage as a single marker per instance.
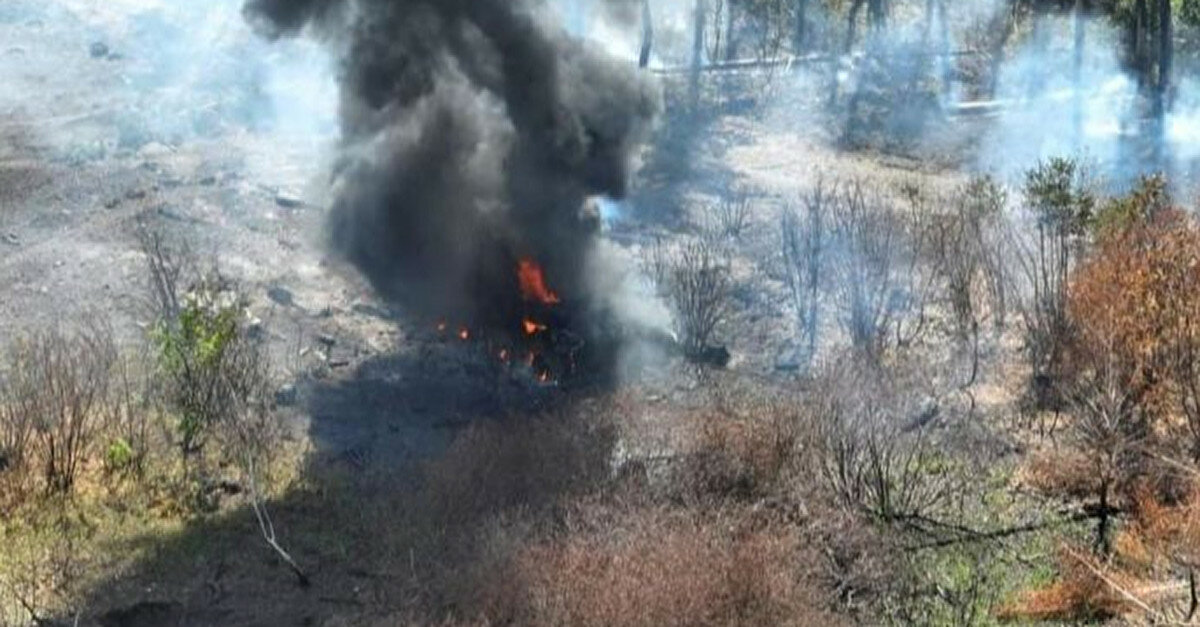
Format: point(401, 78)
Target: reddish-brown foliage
point(667, 569)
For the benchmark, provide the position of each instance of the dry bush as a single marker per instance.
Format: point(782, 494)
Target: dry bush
point(872, 452)
point(732, 213)
point(742, 453)
point(660, 568)
point(803, 238)
point(54, 399)
point(518, 462)
point(1135, 313)
point(967, 255)
point(1061, 472)
point(696, 280)
point(876, 282)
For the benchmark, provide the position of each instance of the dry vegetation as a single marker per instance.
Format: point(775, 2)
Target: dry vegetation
point(873, 486)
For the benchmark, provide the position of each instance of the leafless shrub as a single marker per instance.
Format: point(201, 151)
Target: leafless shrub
point(872, 451)
point(732, 213)
point(966, 254)
point(697, 282)
point(803, 242)
point(16, 431)
point(57, 387)
point(873, 260)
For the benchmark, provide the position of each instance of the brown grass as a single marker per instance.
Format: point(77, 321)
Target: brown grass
point(665, 568)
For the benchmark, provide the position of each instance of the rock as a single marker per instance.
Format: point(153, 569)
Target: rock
point(288, 201)
point(11, 238)
point(287, 395)
point(98, 49)
point(326, 340)
point(135, 194)
point(112, 204)
point(281, 295)
point(790, 360)
point(718, 356)
point(208, 181)
point(367, 309)
point(143, 614)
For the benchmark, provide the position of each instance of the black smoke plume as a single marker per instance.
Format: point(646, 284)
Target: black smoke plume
point(474, 131)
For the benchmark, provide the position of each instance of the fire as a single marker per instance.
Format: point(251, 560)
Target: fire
point(464, 334)
point(533, 283)
point(441, 327)
point(531, 327)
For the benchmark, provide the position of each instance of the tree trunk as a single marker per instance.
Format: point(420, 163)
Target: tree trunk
point(801, 28)
point(1007, 25)
point(877, 15)
point(852, 24)
point(730, 30)
point(647, 35)
point(1166, 49)
point(1040, 36)
point(1077, 74)
point(1141, 45)
point(944, 44)
point(701, 11)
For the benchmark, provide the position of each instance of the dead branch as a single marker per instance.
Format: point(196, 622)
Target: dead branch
point(268, 527)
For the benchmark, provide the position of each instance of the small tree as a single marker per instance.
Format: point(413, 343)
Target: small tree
point(1061, 207)
point(215, 377)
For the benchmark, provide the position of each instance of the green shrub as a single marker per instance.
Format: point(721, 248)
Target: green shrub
point(119, 456)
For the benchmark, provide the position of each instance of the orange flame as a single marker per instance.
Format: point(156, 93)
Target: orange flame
point(464, 334)
point(531, 327)
point(533, 283)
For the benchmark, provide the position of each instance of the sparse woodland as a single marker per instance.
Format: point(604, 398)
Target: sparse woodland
point(988, 411)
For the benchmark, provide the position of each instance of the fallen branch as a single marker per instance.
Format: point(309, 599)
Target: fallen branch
point(268, 528)
point(1129, 596)
point(971, 535)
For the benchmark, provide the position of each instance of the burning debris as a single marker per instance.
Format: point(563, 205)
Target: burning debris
point(474, 132)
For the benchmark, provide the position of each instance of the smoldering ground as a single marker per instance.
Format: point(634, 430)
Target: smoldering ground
point(473, 133)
